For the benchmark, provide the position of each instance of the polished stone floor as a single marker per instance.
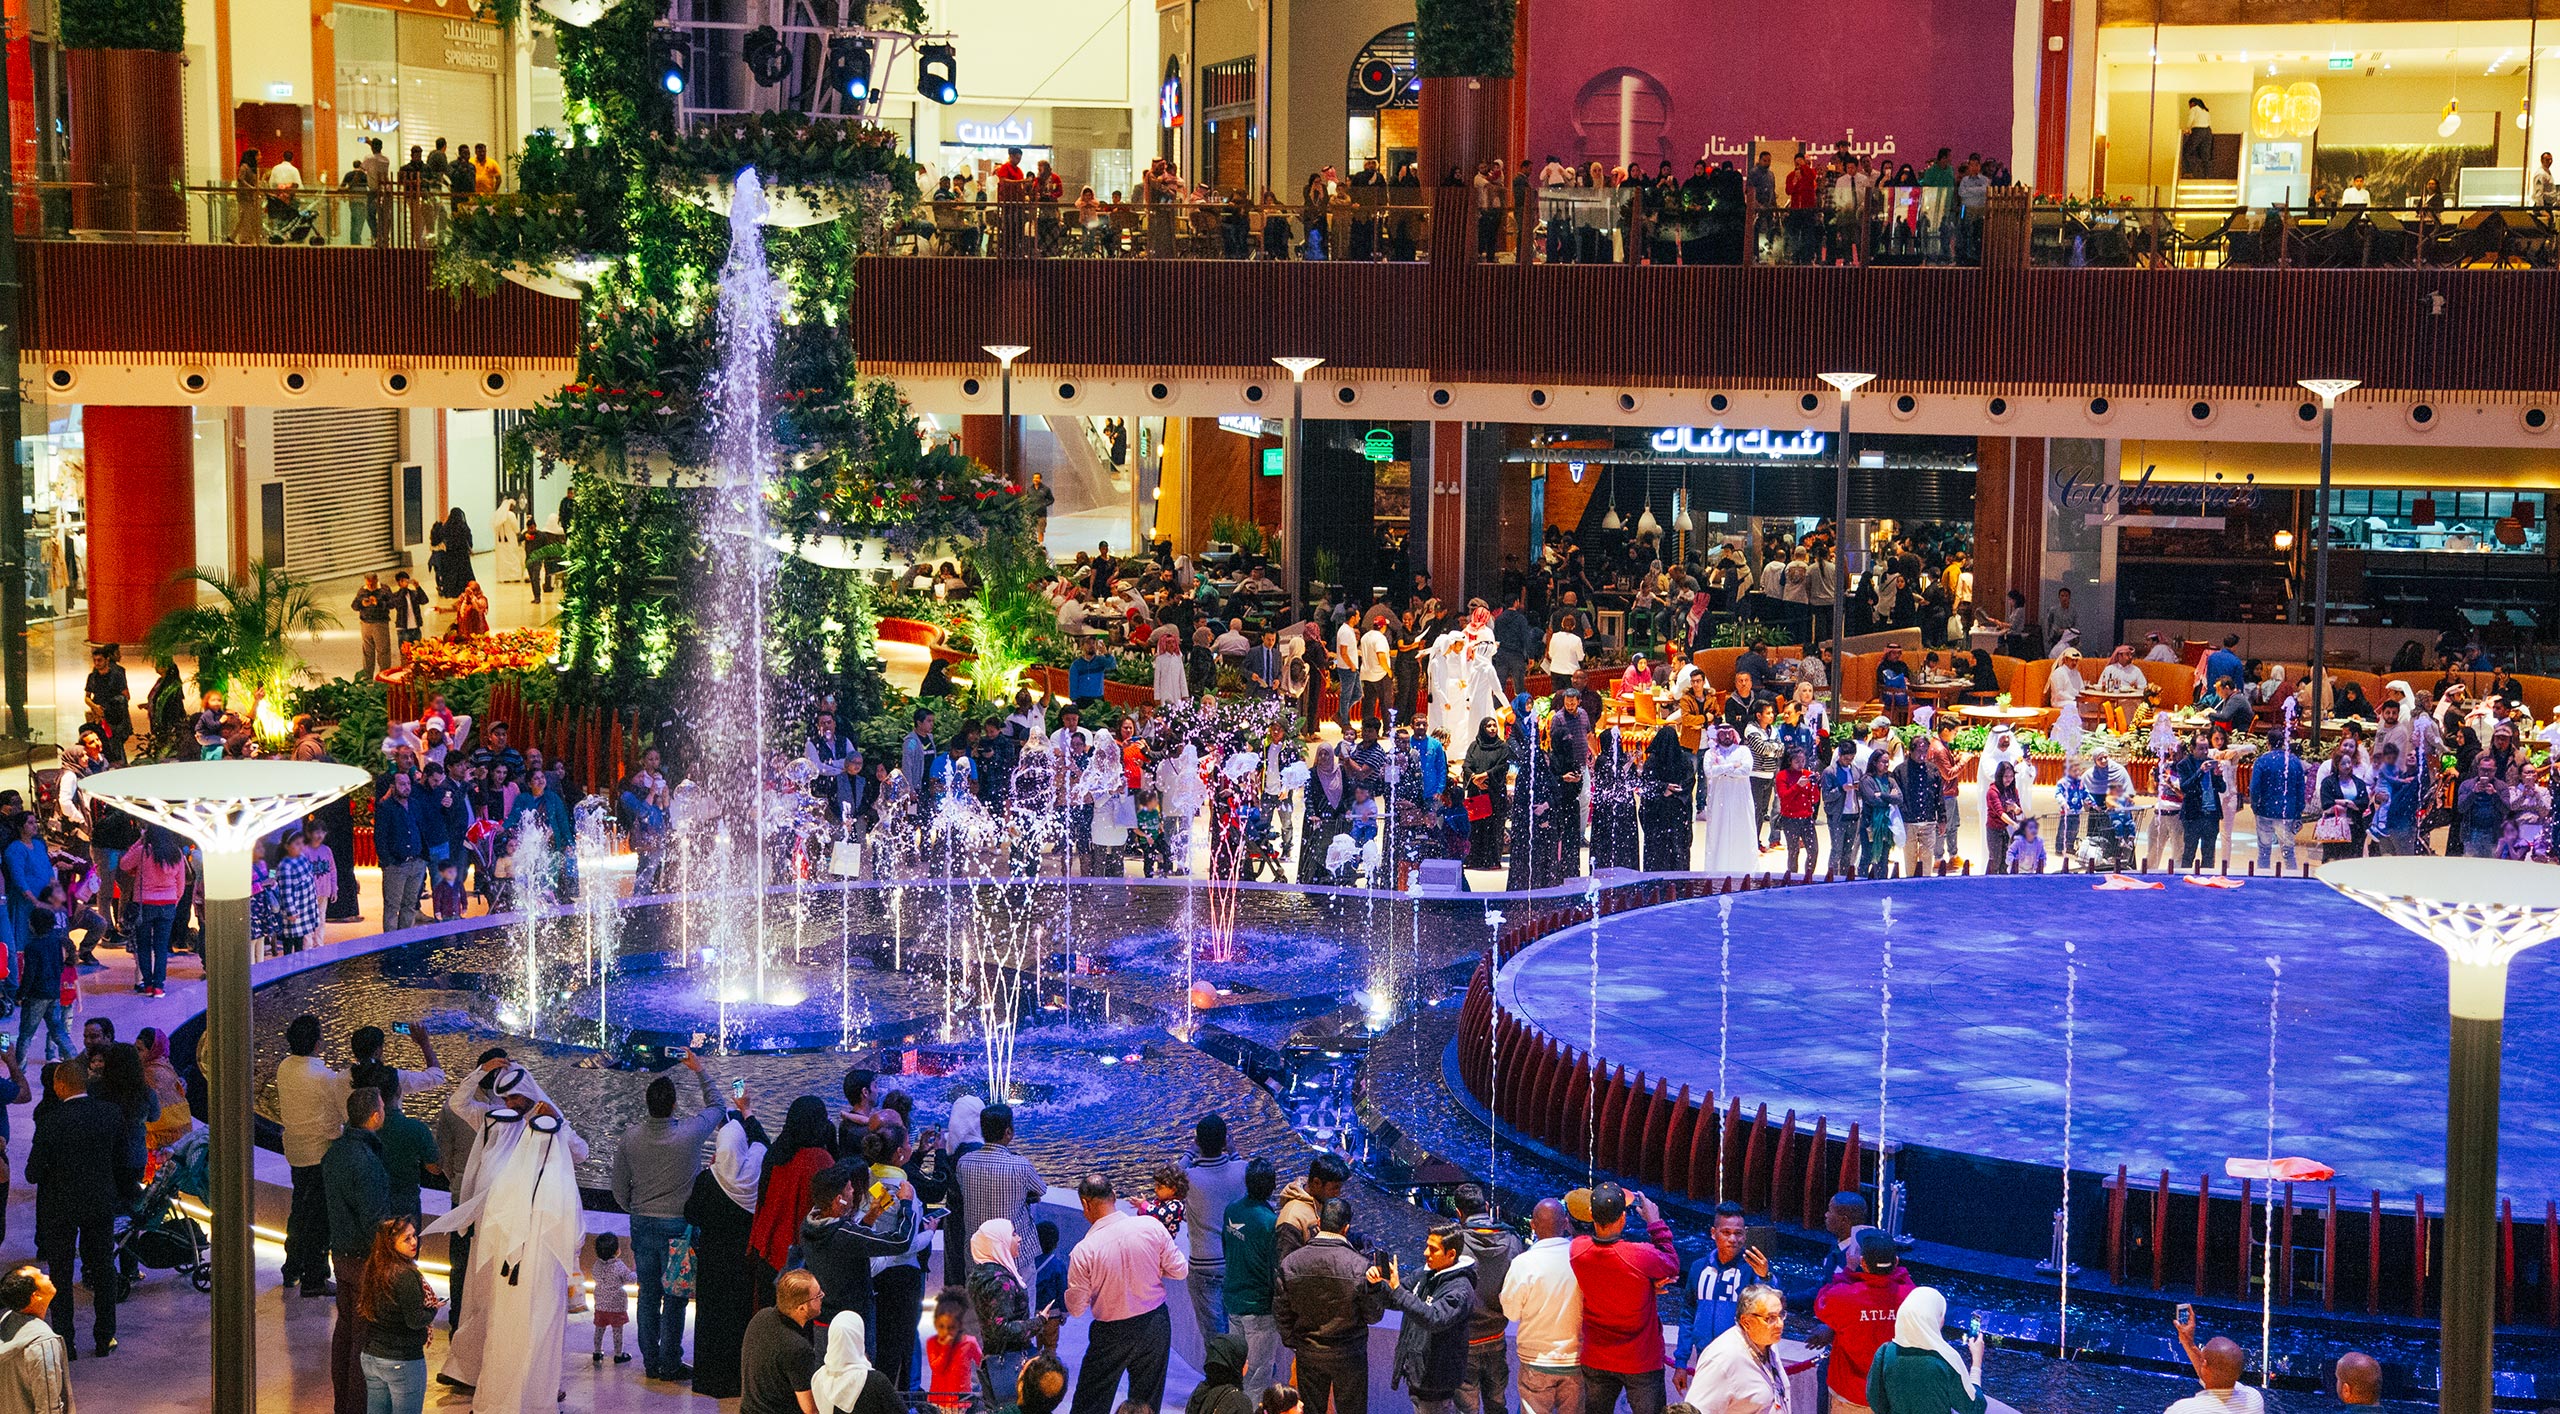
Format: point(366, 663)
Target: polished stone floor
point(2171, 1060)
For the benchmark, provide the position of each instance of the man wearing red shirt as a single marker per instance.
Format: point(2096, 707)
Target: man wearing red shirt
point(1621, 1325)
point(1804, 200)
point(1859, 1306)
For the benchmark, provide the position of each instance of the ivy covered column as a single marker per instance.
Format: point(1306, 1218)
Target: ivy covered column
point(1470, 88)
point(124, 74)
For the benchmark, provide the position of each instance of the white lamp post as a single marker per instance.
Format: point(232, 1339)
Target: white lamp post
point(2328, 389)
point(1005, 354)
point(1298, 367)
point(2482, 912)
point(226, 807)
point(1848, 384)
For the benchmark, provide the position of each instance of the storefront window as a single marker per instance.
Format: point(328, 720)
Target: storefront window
point(409, 79)
point(2470, 522)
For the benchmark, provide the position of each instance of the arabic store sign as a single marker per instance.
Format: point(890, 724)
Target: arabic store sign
point(1758, 442)
point(999, 127)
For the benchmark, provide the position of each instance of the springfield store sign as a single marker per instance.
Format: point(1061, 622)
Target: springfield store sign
point(434, 42)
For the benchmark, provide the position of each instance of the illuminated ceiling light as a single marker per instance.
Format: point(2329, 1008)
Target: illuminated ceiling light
point(2284, 539)
point(2451, 122)
point(674, 61)
point(849, 67)
point(577, 14)
point(938, 73)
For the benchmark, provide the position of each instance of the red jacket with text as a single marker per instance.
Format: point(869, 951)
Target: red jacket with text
point(1859, 1308)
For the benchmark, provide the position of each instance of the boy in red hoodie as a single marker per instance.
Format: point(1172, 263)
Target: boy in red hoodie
point(1859, 1306)
point(1621, 1325)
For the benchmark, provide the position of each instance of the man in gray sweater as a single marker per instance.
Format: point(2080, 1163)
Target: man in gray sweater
point(653, 1173)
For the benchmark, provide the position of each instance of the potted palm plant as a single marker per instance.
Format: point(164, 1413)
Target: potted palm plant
point(243, 641)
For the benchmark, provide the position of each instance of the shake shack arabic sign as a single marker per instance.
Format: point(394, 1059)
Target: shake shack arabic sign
point(442, 42)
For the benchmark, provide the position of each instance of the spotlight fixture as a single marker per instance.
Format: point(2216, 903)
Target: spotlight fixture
point(849, 67)
point(674, 60)
point(766, 57)
point(938, 73)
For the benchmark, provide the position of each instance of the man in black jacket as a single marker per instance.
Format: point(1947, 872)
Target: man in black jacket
point(86, 1164)
point(357, 1190)
point(1515, 642)
point(1431, 1349)
point(1487, 1387)
point(1324, 1306)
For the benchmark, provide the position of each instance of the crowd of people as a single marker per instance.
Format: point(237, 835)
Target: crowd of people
point(373, 202)
point(1434, 746)
point(855, 1258)
point(1840, 208)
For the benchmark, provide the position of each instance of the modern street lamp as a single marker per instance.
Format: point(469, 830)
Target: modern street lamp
point(2328, 390)
point(2482, 912)
point(1848, 384)
point(1005, 354)
point(1298, 367)
point(226, 807)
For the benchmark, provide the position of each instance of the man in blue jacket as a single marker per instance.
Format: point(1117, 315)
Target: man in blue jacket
point(2278, 787)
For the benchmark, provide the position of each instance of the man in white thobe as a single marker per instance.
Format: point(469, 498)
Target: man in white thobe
point(503, 1098)
point(528, 1217)
point(1732, 826)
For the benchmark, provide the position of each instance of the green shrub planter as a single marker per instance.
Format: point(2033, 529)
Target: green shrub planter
point(1463, 39)
point(159, 25)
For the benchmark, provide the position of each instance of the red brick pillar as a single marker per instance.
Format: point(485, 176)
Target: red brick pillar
point(142, 516)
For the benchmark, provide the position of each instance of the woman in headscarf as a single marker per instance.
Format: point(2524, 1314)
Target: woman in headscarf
point(1221, 1387)
point(805, 1147)
point(1670, 781)
point(1537, 844)
point(1615, 789)
point(721, 1210)
point(846, 1383)
point(1000, 1294)
point(960, 1136)
point(1918, 1371)
point(1488, 788)
point(1327, 813)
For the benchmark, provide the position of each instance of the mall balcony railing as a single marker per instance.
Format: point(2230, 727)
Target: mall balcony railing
point(408, 217)
point(1563, 226)
point(2101, 235)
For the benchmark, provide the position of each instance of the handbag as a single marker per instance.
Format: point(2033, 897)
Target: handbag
point(1480, 806)
point(2334, 828)
point(678, 1277)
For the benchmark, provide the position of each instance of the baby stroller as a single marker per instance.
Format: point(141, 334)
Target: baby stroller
point(159, 1235)
point(1262, 849)
point(291, 223)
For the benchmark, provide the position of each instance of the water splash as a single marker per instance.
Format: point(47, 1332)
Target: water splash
point(1724, 1027)
point(1884, 1055)
point(1493, 1047)
point(533, 871)
point(2266, 1238)
point(2070, 1057)
point(599, 912)
point(730, 708)
point(1591, 1101)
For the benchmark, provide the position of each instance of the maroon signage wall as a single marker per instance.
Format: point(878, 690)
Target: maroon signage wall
point(1916, 74)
